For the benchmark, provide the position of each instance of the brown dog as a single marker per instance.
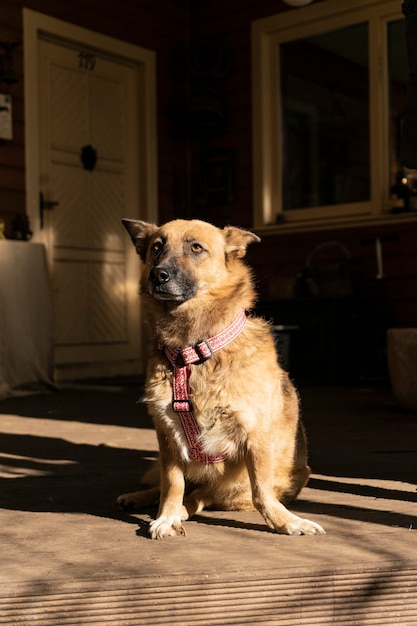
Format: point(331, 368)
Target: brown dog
point(225, 413)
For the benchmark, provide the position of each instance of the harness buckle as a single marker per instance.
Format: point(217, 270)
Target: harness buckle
point(182, 406)
point(204, 351)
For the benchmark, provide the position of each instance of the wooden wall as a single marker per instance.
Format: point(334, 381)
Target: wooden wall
point(162, 27)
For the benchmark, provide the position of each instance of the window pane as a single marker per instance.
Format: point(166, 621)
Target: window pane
point(325, 119)
point(402, 182)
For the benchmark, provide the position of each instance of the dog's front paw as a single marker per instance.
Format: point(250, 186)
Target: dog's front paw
point(166, 526)
point(302, 526)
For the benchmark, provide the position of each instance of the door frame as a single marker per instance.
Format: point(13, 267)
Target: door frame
point(34, 24)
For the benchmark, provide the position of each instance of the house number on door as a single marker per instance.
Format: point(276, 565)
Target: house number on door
point(87, 61)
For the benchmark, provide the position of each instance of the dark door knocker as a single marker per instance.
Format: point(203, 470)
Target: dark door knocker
point(88, 157)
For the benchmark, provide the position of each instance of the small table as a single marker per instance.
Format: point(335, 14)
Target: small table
point(26, 336)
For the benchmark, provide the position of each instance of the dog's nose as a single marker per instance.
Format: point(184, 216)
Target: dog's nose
point(160, 275)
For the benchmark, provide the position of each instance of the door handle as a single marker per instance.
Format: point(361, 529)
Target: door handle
point(45, 205)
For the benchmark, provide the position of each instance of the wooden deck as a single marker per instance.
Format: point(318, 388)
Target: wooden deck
point(69, 557)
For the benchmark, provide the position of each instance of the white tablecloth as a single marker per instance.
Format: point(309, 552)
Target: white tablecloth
point(26, 338)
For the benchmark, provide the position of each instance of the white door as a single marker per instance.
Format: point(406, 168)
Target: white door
point(86, 152)
point(89, 178)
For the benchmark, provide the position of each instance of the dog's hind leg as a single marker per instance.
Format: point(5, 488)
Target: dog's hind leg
point(203, 498)
point(195, 502)
point(297, 479)
point(276, 515)
point(288, 484)
point(139, 499)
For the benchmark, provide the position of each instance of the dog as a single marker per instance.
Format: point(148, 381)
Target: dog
point(225, 413)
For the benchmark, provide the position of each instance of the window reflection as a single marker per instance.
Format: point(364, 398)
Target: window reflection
point(325, 126)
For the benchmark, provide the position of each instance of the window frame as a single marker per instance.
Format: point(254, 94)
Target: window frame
point(293, 24)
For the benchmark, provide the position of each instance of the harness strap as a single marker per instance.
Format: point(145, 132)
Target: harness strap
point(195, 355)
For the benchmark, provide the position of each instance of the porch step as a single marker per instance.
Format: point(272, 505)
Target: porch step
point(302, 598)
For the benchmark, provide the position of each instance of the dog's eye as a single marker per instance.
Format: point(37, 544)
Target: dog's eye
point(156, 247)
point(196, 248)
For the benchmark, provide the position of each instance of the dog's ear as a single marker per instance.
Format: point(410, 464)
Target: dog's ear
point(237, 240)
point(140, 233)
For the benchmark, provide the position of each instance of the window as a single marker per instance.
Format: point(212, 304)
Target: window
point(329, 92)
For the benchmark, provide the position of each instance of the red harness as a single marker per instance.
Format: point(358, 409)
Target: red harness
point(195, 355)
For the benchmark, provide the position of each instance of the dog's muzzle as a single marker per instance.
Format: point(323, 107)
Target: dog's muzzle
point(169, 283)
